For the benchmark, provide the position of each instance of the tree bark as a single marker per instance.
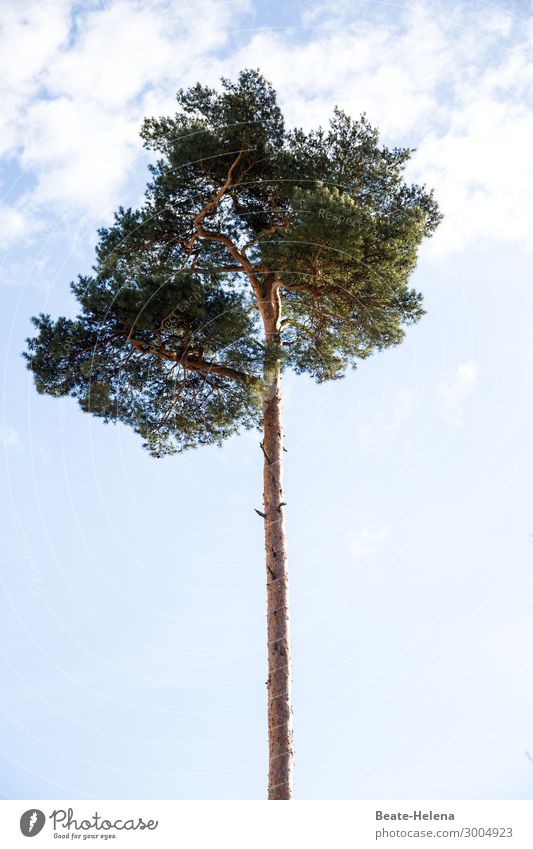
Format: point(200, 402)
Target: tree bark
point(280, 742)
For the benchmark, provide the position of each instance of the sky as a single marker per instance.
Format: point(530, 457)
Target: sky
point(132, 623)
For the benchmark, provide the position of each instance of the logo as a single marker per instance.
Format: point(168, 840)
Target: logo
point(32, 822)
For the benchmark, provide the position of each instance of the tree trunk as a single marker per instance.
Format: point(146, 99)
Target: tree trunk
point(280, 745)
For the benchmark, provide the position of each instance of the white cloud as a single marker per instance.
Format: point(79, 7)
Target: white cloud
point(10, 438)
point(447, 79)
point(454, 391)
point(31, 33)
point(482, 174)
point(389, 71)
point(402, 411)
point(13, 224)
point(366, 541)
point(451, 79)
point(77, 82)
point(80, 154)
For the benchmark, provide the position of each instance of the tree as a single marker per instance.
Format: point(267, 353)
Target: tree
point(257, 249)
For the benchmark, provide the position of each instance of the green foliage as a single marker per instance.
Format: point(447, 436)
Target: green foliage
point(113, 358)
point(169, 338)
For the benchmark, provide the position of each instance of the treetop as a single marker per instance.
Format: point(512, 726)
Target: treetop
point(243, 220)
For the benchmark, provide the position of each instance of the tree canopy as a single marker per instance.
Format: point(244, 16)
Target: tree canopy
point(168, 338)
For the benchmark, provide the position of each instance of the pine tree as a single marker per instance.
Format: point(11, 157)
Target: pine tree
point(258, 249)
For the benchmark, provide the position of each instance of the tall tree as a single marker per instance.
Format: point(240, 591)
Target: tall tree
point(257, 249)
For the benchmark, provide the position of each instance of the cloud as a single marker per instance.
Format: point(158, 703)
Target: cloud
point(13, 224)
point(454, 81)
point(482, 173)
point(454, 391)
point(360, 65)
point(10, 438)
point(31, 33)
point(402, 411)
point(451, 81)
point(80, 153)
point(366, 541)
point(77, 82)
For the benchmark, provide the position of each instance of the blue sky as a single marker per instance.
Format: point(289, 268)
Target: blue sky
point(133, 612)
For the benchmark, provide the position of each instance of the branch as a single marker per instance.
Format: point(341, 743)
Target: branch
point(245, 263)
point(225, 269)
point(274, 228)
point(213, 203)
point(240, 258)
point(193, 363)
